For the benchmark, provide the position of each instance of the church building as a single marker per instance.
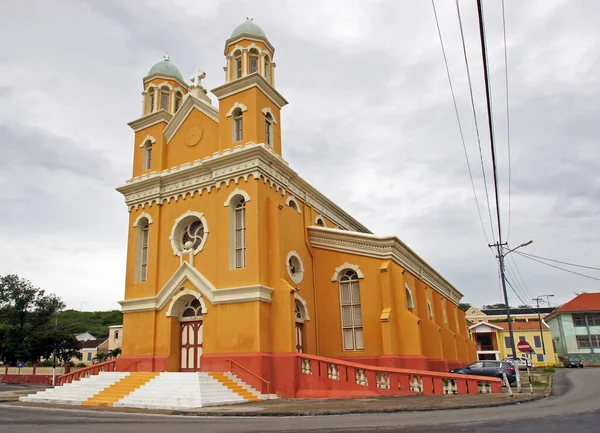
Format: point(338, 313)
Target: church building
point(232, 255)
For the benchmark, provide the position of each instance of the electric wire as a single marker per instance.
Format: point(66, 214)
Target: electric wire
point(519, 284)
point(462, 137)
point(558, 261)
point(515, 292)
point(462, 37)
point(507, 119)
point(516, 267)
point(557, 267)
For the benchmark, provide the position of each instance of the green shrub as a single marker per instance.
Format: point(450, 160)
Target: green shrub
point(46, 363)
point(80, 365)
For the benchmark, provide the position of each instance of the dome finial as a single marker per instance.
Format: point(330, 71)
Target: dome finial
point(249, 19)
point(166, 58)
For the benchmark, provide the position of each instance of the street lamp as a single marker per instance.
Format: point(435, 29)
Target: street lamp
point(501, 255)
point(537, 303)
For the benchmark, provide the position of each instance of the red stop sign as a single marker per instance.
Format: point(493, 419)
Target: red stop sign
point(524, 346)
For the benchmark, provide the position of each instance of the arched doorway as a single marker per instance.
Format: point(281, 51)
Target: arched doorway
point(299, 316)
point(191, 336)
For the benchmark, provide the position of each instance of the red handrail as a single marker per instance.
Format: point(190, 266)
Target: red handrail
point(85, 372)
point(231, 361)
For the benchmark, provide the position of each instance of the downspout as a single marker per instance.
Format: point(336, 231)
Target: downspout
point(314, 281)
point(587, 326)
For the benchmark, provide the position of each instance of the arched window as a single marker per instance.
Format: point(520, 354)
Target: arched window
point(192, 309)
point(178, 99)
point(237, 59)
point(150, 100)
point(269, 129)
point(143, 228)
point(238, 125)
point(292, 203)
point(238, 231)
point(352, 330)
point(444, 312)
point(410, 303)
point(429, 309)
point(253, 54)
point(319, 221)
point(267, 69)
point(148, 155)
point(164, 98)
point(116, 335)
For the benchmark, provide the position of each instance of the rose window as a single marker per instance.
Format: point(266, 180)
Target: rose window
point(192, 235)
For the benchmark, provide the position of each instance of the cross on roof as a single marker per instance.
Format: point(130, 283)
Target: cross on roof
point(199, 75)
point(166, 58)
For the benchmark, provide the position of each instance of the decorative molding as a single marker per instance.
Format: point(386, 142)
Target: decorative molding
point(291, 199)
point(237, 192)
point(215, 296)
point(165, 77)
point(248, 37)
point(189, 103)
point(140, 216)
point(146, 139)
point(300, 299)
point(177, 227)
point(299, 275)
point(410, 300)
point(320, 218)
point(355, 268)
point(268, 110)
point(164, 84)
point(385, 248)
point(234, 106)
point(150, 120)
point(247, 82)
point(258, 161)
point(185, 293)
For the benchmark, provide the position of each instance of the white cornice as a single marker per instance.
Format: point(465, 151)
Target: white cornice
point(215, 296)
point(231, 165)
point(248, 37)
point(388, 247)
point(247, 82)
point(189, 103)
point(166, 77)
point(150, 120)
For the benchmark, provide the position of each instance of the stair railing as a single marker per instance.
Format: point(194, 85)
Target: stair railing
point(266, 382)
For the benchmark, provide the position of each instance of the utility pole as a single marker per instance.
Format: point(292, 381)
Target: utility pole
point(537, 303)
point(55, 338)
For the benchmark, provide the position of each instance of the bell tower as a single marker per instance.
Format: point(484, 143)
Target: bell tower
point(249, 104)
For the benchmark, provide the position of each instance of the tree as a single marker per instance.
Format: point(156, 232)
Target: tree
point(24, 311)
point(100, 357)
point(113, 354)
point(464, 307)
point(494, 306)
point(45, 343)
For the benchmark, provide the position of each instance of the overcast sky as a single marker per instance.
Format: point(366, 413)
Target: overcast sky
point(370, 123)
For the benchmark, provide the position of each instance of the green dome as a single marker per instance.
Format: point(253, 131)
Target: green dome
point(165, 67)
point(248, 27)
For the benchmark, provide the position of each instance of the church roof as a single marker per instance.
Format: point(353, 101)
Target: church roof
point(165, 67)
point(248, 27)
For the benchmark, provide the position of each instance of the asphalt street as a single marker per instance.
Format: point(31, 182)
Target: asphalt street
point(574, 408)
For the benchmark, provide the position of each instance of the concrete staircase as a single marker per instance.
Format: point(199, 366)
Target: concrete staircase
point(76, 392)
point(167, 390)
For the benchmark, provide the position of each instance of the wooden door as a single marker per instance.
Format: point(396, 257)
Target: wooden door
point(191, 345)
point(299, 337)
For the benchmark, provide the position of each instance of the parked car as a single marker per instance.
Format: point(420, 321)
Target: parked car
point(489, 368)
point(522, 362)
point(572, 363)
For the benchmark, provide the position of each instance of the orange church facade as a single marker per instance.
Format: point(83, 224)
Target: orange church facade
point(232, 255)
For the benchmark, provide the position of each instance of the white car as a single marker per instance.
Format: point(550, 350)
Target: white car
point(522, 362)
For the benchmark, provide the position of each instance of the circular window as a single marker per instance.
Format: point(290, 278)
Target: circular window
point(189, 233)
point(295, 267)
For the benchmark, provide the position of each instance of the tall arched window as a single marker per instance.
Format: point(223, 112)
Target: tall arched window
point(178, 98)
point(269, 129)
point(410, 303)
point(164, 98)
point(238, 208)
point(237, 60)
point(253, 55)
point(238, 125)
point(352, 330)
point(148, 155)
point(267, 69)
point(150, 100)
point(143, 226)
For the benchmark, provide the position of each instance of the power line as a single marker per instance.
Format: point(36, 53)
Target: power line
point(513, 289)
point(558, 261)
point(557, 267)
point(462, 36)
point(520, 284)
point(462, 137)
point(527, 291)
point(507, 117)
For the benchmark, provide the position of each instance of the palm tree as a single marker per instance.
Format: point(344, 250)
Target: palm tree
point(100, 357)
point(113, 354)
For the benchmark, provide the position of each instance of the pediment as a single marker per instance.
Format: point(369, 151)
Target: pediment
point(189, 104)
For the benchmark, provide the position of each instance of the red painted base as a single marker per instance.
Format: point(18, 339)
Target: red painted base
point(27, 379)
point(438, 365)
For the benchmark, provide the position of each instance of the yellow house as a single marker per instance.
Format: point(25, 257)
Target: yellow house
point(233, 256)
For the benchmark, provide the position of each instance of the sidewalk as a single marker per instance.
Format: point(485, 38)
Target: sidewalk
point(308, 407)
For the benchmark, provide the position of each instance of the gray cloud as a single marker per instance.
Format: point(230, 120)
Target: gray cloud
point(370, 123)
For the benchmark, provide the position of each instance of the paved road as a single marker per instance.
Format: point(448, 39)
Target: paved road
point(575, 408)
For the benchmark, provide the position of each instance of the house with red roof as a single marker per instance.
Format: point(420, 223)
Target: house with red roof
point(575, 328)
